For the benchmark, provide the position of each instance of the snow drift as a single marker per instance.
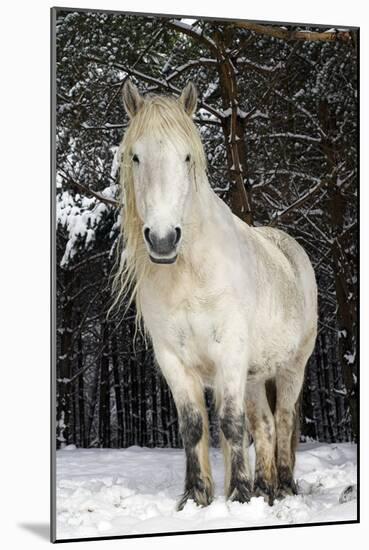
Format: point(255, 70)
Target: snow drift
point(105, 492)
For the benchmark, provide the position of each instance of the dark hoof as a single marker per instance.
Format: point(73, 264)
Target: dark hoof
point(241, 492)
point(265, 490)
point(287, 489)
point(201, 495)
point(350, 493)
point(286, 485)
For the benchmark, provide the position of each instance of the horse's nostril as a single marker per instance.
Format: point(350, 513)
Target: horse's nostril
point(147, 235)
point(162, 245)
point(178, 235)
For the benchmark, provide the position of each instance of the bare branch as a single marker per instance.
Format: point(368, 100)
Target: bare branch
point(259, 68)
point(190, 65)
point(299, 202)
point(164, 84)
point(303, 137)
point(302, 110)
point(153, 39)
point(277, 72)
point(315, 226)
point(106, 126)
point(89, 191)
point(89, 259)
point(193, 33)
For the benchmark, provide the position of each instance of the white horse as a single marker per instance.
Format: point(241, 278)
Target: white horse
point(226, 305)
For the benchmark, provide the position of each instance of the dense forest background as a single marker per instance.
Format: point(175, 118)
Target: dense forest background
point(290, 96)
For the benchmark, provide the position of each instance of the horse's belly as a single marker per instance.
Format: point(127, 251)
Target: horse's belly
point(260, 372)
point(271, 349)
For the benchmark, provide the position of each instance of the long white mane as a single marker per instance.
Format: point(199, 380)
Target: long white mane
point(162, 117)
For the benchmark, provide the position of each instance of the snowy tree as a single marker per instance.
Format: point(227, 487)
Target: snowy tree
point(278, 118)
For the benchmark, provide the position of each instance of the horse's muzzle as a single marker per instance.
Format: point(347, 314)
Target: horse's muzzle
point(162, 250)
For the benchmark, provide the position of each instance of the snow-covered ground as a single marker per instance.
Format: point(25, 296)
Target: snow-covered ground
point(103, 492)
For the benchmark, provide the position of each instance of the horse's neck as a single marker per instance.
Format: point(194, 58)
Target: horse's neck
point(210, 228)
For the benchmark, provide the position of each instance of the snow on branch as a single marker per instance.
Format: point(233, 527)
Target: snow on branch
point(299, 202)
point(302, 110)
point(160, 83)
point(315, 226)
point(194, 33)
point(303, 137)
point(106, 126)
point(331, 35)
point(258, 67)
point(193, 63)
point(89, 191)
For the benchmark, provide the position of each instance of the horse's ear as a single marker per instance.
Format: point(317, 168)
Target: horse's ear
point(132, 99)
point(189, 98)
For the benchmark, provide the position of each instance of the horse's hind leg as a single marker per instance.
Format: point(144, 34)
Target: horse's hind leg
point(289, 384)
point(189, 398)
point(262, 427)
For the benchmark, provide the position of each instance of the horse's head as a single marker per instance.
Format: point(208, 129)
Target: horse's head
point(161, 149)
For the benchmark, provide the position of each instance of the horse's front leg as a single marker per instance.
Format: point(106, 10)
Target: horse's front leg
point(188, 394)
point(230, 398)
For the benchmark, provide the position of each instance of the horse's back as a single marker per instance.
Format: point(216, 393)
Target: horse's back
point(286, 286)
point(295, 255)
point(280, 248)
point(304, 276)
point(290, 248)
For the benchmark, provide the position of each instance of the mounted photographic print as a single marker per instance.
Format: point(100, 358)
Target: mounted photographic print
point(204, 274)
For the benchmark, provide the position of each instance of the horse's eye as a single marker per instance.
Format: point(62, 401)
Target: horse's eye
point(188, 158)
point(135, 159)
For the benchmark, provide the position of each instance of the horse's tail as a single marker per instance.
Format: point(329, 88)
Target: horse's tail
point(271, 392)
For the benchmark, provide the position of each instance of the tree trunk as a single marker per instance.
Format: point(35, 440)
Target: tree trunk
point(143, 411)
point(154, 406)
point(64, 366)
point(346, 302)
point(117, 391)
point(104, 410)
point(81, 389)
point(127, 387)
point(233, 128)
